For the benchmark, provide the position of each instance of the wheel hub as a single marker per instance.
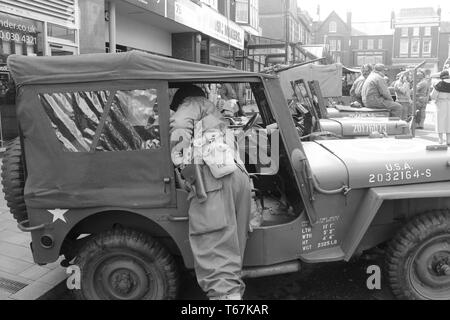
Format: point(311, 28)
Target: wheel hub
point(430, 272)
point(443, 269)
point(122, 277)
point(123, 282)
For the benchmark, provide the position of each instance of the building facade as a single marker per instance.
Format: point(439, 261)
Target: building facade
point(444, 45)
point(284, 28)
point(371, 42)
point(336, 34)
point(416, 38)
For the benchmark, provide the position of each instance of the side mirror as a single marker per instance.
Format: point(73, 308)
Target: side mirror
point(297, 156)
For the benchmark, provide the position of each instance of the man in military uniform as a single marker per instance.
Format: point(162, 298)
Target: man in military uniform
point(375, 93)
point(219, 220)
point(422, 97)
point(356, 90)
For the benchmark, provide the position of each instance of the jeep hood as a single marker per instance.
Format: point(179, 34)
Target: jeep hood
point(364, 126)
point(378, 162)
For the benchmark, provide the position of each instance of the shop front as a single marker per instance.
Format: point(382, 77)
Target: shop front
point(213, 39)
point(32, 28)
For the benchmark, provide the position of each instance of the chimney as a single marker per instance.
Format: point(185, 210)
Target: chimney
point(349, 20)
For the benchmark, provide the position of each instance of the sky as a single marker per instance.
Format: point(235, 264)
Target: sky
point(369, 10)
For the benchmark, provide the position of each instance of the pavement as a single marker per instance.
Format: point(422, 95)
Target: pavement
point(22, 279)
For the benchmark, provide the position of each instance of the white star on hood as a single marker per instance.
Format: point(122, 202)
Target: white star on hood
point(58, 214)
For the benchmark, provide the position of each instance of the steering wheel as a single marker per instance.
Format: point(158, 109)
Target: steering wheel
point(250, 123)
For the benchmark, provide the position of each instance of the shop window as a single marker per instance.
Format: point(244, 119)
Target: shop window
point(75, 116)
point(20, 36)
point(426, 47)
point(332, 27)
point(60, 32)
point(132, 122)
point(404, 46)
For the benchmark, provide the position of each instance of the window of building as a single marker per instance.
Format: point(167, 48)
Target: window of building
point(60, 32)
point(380, 43)
point(332, 43)
point(211, 3)
point(370, 44)
point(426, 47)
point(76, 117)
point(247, 12)
point(254, 14)
point(404, 32)
point(20, 36)
point(338, 45)
point(415, 47)
point(416, 31)
point(360, 44)
point(427, 32)
point(404, 46)
point(332, 27)
point(242, 11)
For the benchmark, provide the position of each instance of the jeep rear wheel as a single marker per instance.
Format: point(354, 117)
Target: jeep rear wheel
point(13, 180)
point(419, 258)
point(126, 265)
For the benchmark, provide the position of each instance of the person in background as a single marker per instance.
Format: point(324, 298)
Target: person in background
point(402, 90)
point(441, 95)
point(356, 89)
point(375, 93)
point(226, 91)
point(422, 98)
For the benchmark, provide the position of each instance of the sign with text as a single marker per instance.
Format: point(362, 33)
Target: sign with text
point(157, 6)
point(209, 22)
point(18, 30)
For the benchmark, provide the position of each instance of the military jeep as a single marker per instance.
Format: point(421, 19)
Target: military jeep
point(92, 179)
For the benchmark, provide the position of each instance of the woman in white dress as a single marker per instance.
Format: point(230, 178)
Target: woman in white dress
point(441, 94)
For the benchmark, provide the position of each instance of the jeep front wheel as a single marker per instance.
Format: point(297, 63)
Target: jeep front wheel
point(123, 264)
point(419, 258)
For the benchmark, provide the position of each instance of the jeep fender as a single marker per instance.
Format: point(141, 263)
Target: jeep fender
point(374, 199)
point(92, 221)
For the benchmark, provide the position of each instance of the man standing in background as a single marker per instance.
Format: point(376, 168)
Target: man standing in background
point(422, 97)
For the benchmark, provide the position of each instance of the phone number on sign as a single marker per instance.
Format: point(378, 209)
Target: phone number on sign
point(399, 176)
point(10, 36)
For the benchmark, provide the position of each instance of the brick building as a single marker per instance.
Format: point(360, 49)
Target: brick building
point(371, 42)
point(416, 37)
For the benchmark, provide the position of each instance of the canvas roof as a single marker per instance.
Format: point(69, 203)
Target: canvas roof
point(104, 66)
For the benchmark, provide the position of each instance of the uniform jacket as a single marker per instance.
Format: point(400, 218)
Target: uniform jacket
point(356, 90)
point(402, 91)
point(375, 90)
point(206, 216)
